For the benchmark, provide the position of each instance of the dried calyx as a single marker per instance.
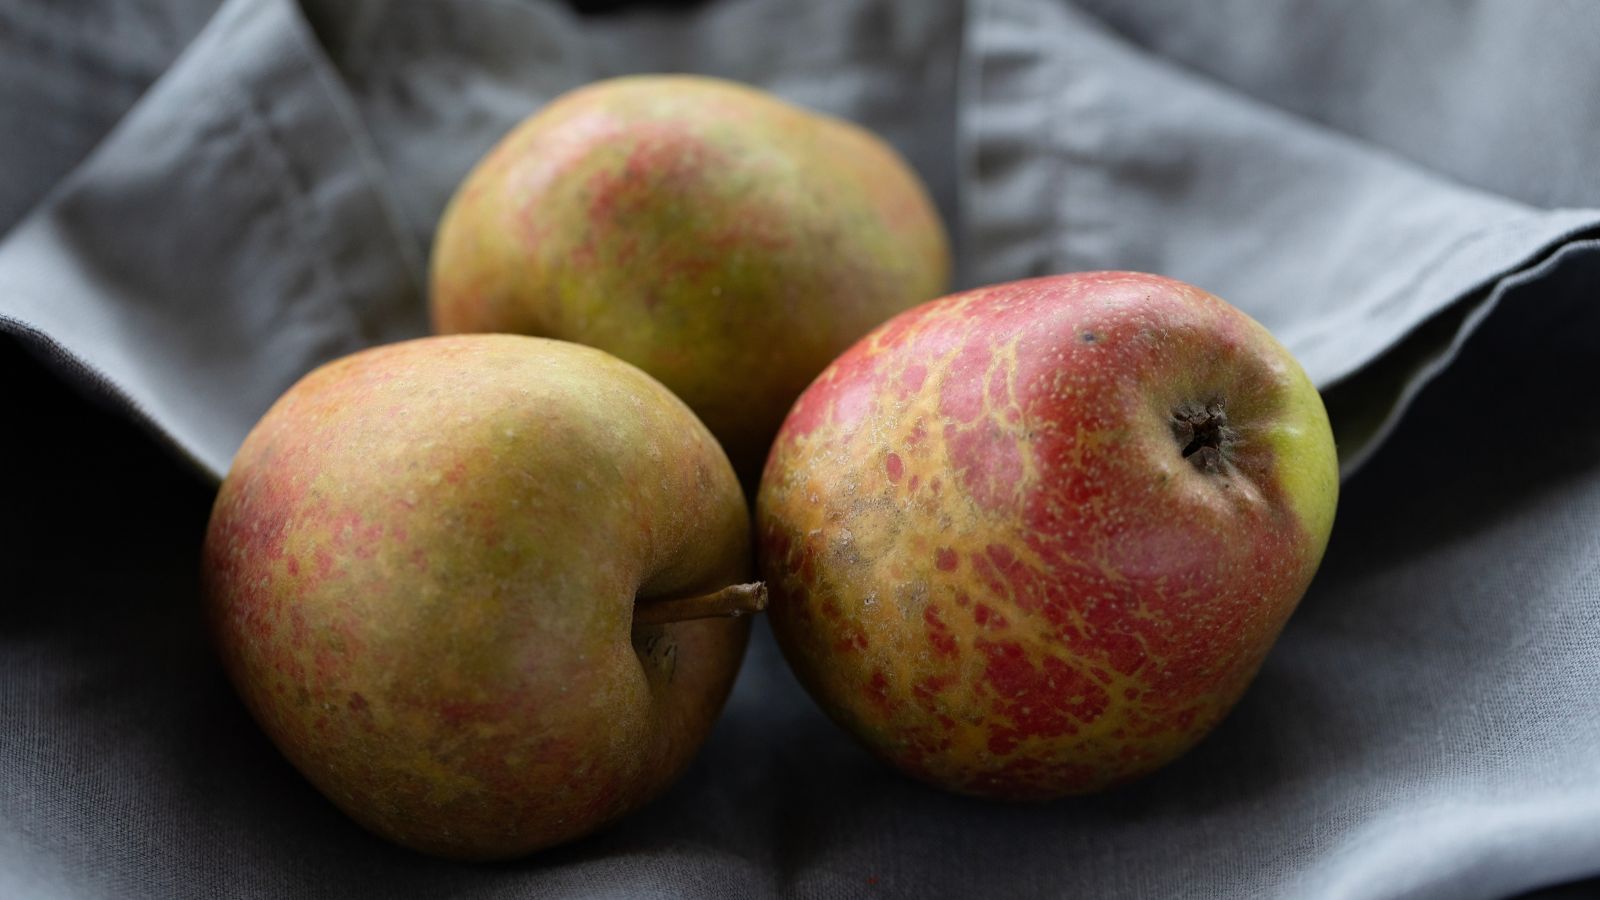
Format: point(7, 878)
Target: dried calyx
point(1203, 433)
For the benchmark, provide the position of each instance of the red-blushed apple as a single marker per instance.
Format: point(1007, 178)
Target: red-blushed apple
point(725, 241)
point(1036, 539)
point(461, 583)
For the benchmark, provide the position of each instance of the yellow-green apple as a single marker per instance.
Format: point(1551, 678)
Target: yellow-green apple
point(456, 580)
point(725, 241)
point(1035, 539)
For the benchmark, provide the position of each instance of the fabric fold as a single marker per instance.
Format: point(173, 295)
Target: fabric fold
point(224, 239)
point(1426, 726)
point(1088, 153)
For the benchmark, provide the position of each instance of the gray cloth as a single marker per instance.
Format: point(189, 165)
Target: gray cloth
point(1405, 193)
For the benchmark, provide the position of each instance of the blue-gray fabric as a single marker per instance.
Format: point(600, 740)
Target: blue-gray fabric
point(201, 202)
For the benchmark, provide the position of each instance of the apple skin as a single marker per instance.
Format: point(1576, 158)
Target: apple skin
point(989, 557)
point(725, 241)
point(421, 574)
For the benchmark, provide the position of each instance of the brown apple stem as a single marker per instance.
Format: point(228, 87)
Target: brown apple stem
point(730, 602)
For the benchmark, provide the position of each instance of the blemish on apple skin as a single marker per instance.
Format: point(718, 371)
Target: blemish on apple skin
point(894, 467)
point(854, 641)
point(946, 560)
point(939, 636)
point(919, 431)
point(931, 685)
point(878, 691)
point(987, 617)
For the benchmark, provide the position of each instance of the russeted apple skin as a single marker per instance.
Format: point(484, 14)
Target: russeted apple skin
point(725, 241)
point(991, 561)
point(421, 574)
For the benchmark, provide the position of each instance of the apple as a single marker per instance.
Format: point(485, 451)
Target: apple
point(1036, 539)
point(723, 240)
point(476, 588)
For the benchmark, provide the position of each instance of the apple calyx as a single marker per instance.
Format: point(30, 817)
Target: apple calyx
point(730, 602)
point(1202, 430)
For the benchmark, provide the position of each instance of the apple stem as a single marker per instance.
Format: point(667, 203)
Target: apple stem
point(730, 602)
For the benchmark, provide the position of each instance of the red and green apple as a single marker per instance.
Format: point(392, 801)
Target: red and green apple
point(1036, 539)
point(462, 583)
point(725, 241)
